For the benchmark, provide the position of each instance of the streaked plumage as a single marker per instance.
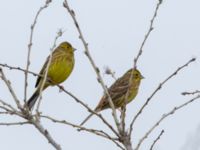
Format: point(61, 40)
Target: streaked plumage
point(61, 66)
point(122, 87)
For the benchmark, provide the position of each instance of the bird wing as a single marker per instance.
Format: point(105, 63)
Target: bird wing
point(42, 72)
point(117, 90)
point(54, 54)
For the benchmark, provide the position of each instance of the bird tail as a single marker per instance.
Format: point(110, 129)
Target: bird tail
point(86, 119)
point(33, 99)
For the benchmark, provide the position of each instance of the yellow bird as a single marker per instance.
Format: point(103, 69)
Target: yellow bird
point(61, 66)
point(122, 91)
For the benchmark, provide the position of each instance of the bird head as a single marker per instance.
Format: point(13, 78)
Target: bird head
point(67, 46)
point(137, 75)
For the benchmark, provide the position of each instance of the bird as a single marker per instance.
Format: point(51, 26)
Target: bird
point(60, 67)
point(122, 91)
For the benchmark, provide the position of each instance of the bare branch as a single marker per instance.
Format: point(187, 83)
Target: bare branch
point(96, 69)
point(191, 93)
point(19, 69)
point(13, 123)
point(89, 109)
point(148, 33)
point(157, 89)
point(45, 133)
point(8, 84)
point(6, 110)
point(30, 45)
point(3, 112)
point(59, 34)
point(71, 95)
point(7, 105)
point(93, 131)
point(157, 139)
point(9, 110)
point(123, 112)
point(164, 116)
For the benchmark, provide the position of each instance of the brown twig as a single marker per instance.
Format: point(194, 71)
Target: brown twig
point(6, 110)
point(148, 33)
point(7, 105)
point(13, 123)
point(157, 89)
point(30, 120)
point(71, 95)
point(93, 131)
point(191, 93)
point(123, 113)
point(59, 34)
point(20, 69)
point(10, 110)
point(164, 116)
point(156, 140)
point(45, 132)
point(8, 84)
point(89, 109)
point(30, 46)
point(96, 69)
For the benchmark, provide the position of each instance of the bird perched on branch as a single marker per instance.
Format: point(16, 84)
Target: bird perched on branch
point(122, 91)
point(60, 67)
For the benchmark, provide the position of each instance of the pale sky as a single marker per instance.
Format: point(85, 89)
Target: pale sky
point(114, 31)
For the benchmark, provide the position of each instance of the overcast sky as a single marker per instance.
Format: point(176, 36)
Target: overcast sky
point(114, 31)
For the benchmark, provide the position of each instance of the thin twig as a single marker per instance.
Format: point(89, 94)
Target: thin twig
point(93, 131)
point(30, 120)
point(7, 105)
point(30, 46)
point(13, 123)
point(59, 34)
point(89, 109)
point(148, 33)
point(157, 139)
point(191, 93)
point(71, 95)
point(10, 110)
point(8, 84)
point(123, 113)
point(6, 110)
point(45, 132)
point(164, 116)
point(18, 68)
point(157, 89)
point(96, 69)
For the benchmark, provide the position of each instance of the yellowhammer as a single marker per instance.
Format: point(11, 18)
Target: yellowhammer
point(61, 66)
point(123, 90)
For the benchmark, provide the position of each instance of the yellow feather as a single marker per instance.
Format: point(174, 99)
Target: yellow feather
point(61, 66)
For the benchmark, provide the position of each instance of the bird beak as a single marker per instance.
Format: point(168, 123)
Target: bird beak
point(142, 77)
point(74, 49)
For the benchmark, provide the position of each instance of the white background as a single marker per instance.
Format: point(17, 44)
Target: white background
point(114, 31)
